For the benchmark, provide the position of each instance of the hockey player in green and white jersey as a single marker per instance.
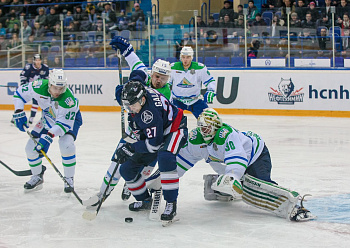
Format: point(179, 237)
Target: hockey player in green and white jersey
point(60, 118)
point(237, 156)
point(186, 79)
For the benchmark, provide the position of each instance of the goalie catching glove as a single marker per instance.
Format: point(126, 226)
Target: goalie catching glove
point(44, 143)
point(124, 153)
point(20, 119)
point(122, 44)
point(228, 184)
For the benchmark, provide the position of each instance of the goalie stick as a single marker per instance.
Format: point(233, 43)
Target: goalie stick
point(55, 168)
point(91, 216)
point(20, 173)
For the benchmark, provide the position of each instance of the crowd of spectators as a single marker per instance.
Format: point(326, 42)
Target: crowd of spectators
point(42, 23)
point(310, 25)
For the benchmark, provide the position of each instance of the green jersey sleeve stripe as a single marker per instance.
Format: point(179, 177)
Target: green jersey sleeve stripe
point(238, 163)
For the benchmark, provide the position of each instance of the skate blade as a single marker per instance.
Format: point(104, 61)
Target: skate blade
point(88, 215)
point(166, 223)
point(313, 217)
point(91, 201)
point(39, 187)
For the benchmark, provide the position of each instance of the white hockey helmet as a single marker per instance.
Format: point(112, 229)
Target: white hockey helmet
point(161, 67)
point(208, 123)
point(187, 50)
point(57, 77)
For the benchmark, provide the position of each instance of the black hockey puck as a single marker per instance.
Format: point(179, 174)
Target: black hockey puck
point(128, 219)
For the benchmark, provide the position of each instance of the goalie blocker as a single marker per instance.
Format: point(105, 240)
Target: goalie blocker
point(260, 194)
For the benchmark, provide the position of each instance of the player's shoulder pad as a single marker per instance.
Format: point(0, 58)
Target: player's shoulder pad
point(197, 65)
point(195, 137)
point(222, 134)
point(67, 100)
point(41, 87)
point(177, 66)
point(46, 66)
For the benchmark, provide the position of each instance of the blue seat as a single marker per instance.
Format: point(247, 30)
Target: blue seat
point(69, 62)
point(223, 61)
point(200, 59)
point(55, 49)
point(80, 62)
point(216, 16)
point(268, 21)
point(210, 61)
point(113, 62)
point(237, 62)
point(125, 34)
point(267, 14)
point(91, 36)
point(171, 59)
point(92, 62)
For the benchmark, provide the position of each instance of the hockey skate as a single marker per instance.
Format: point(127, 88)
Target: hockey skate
point(125, 193)
point(169, 215)
point(69, 188)
point(300, 213)
point(31, 120)
point(35, 183)
point(141, 205)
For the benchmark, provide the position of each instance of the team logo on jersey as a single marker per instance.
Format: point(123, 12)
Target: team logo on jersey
point(223, 133)
point(286, 93)
point(26, 67)
point(69, 101)
point(147, 116)
point(185, 84)
point(50, 113)
point(42, 72)
point(37, 84)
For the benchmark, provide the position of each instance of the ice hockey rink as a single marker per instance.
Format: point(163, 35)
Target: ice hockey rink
point(309, 155)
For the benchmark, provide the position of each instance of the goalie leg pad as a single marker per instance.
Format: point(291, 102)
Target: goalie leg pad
point(269, 196)
point(209, 193)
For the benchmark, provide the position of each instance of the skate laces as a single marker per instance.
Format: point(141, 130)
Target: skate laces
point(69, 180)
point(34, 179)
point(168, 208)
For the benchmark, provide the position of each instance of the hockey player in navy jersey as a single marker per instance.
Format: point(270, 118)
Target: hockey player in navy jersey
point(30, 73)
point(161, 130)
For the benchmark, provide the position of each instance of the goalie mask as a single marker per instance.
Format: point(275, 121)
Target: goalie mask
point(57, 82)
point(208, 123)
point(132, 96)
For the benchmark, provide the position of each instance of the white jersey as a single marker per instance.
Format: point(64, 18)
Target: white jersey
point(187, 84)
point(58, 115)
point(231, 151)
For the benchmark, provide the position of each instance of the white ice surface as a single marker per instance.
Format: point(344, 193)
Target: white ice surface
point(309, 155)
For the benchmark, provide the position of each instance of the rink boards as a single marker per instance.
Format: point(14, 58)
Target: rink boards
point(257, 92)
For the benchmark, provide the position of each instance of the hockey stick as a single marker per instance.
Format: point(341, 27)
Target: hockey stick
point(124, 135)
point(20, 173)
point(92, 215)
point(55, 168)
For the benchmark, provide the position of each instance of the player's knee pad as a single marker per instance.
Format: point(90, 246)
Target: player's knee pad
point(67, 145)
point(228, 184)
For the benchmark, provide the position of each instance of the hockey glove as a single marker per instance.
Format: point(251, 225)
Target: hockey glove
point(122, 44)
point(118, 94)
point(209, 96)
point(44, 143)
point(124, 153)
point(20, 119)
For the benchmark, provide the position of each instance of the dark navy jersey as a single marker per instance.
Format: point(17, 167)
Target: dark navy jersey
point(157, 118)
point(30, 73)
